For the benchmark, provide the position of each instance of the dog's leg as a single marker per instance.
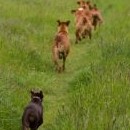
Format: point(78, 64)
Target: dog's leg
point(25, 128)
point(77, 34)
point(95, 26)
point(90, 35)
point(56, 57)
point(84, 34)
point(64, 59)
point(57, 66)
point(34, 129)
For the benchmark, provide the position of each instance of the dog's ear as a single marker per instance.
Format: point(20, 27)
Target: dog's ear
point(68, 22)
point(32, 92)
point(78, 2)
point(89, 5)
point(58, 21)
point(88, 2)
point(41, 94)
point(73, 11)
point(95, 7)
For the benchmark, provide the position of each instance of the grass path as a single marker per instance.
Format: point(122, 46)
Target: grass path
point(82, 52)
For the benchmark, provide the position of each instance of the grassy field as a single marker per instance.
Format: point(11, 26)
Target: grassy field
point(94, 91)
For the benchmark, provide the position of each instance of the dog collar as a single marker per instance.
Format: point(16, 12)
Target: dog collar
point(35, 97)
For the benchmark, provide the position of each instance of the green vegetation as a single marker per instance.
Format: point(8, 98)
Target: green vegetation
point(94, 91)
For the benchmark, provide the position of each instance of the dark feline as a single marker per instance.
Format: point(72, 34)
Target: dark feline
point(33, 113)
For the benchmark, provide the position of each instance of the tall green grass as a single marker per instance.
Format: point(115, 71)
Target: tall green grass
point(93, 92)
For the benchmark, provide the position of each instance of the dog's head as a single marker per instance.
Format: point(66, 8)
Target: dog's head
point(84, 4)
point(36, 95)
point(63, 26)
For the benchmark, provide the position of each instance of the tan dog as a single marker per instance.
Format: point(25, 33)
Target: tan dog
point(92, 13)
point(61, 46)
point(79, 23)
point(83, 24)
point(83, 4)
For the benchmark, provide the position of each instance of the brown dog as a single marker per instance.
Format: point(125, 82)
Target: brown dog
point(33, 114)
point(83, 4)
point(80, 21)
point(83, 24)
point(97, 17)
point(61, 46)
